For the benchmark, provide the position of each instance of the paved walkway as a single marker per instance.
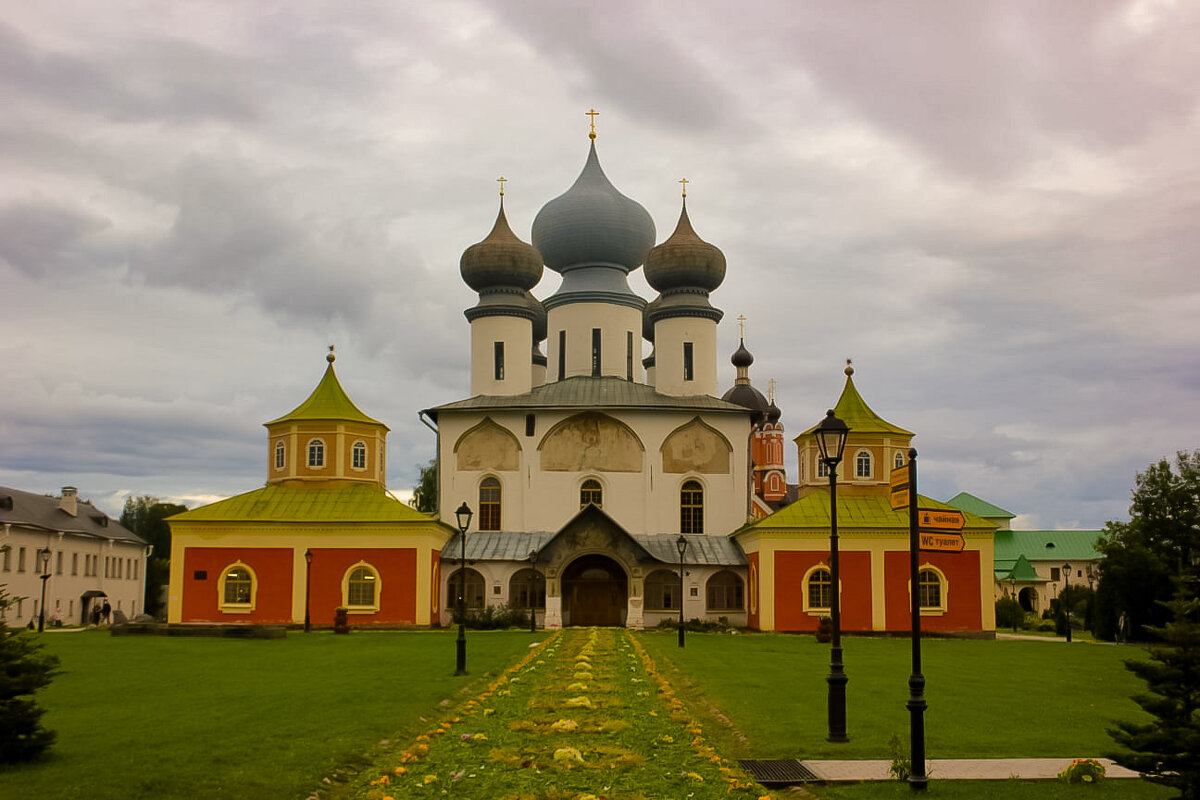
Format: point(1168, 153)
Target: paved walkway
point(987, 769)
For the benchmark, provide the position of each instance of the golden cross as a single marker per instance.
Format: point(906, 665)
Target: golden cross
point(501, 181)
point(684, 181)
point(771, 391)
point(741, 326)
point(593, 113)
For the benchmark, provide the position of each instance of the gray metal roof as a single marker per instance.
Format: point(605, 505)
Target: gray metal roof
point(589, 392)
point(516, 545)
point(45, 512)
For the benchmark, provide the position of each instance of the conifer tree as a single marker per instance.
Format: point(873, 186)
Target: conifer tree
point(1167, 750)
point(23, 670)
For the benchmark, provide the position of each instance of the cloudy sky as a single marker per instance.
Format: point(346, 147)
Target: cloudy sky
point(993, 208)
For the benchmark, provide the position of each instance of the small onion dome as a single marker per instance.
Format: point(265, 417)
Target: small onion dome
point(741, 357)
point(648, 318)
point(685, 259)
point(746, 395)
point(501, 260)
point(539, 317)
point(593, 224)
point(773, 413)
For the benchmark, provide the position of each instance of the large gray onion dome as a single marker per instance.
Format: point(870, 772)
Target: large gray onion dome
point(501, 260)
point(685, 260)
point(593, 224)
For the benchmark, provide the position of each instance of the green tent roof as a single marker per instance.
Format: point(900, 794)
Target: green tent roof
point(965, 501)
point(328, 401)
point(873, 511)
point(858, 416)
point(1044, 545)
point(1019, 570)
point(355, 502)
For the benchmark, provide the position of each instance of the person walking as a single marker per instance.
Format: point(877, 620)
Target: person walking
point(106, 611)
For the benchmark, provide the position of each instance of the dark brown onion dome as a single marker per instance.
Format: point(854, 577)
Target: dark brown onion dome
point(685, 260)
point(773, 413)
point(747, 396)
point(501, 260)
point(741, 357)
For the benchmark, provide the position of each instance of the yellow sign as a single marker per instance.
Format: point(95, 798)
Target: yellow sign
point(941, 542)
point(899, 498)
point(942, 519)
point(899, 477)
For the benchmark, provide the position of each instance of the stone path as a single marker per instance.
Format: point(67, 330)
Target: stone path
point(988, 769)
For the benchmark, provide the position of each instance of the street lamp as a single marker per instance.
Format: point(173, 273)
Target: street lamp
point(1067, 596)
point(463, 515)
point(1016, 606)
point(44, 557)
point(307, 587)
point(831, 436)
point(533, 581)
point(681, 545)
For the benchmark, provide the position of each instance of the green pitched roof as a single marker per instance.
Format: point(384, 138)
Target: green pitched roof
point(355, 502)
point(873, 511)
point(1019, 570)
point(328, 401)
point(964, 501)
point(1044, 545)
point(858, 416)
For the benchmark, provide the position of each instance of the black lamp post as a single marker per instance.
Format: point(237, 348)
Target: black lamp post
point(463, 515)
point(1067, 596)
point(44, 557)
point(533, 582)
point(681, 545)
point(1016, 603)
point(307, 588)
point(831, 436)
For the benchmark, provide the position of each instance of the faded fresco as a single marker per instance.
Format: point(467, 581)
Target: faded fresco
point(591, 442)
point(487, 446)
point(695, 447)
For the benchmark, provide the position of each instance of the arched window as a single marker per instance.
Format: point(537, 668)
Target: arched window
point(238, 589)
point(358, 456)
point(279, 455)
point(489, 504)
point(899, 460)
point(819, 590)
point(361, 588)
point(473, 595)
point(931, 590)
point(862, 464)
point(691, 507)
point(527, 589)
point(591, 492)
point(662, 590)
point(822, 468)
point(725, 592)
point(316, 453)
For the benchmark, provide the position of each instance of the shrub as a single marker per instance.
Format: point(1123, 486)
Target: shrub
point(1008, 612)
point(1083, 770)
point(23, 670)
point(901, 764)
point(494, 617)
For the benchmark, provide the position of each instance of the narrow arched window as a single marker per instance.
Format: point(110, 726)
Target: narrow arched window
point(361, 586)
point(691, 508)
point(489, 504)
point(358, 456)
point(279, 455)
point(591, 492)
point(316, 453)
point(899, 460)
point(820, 589)
point(930, 589)
point(724, 592)
point(862, 464)
point(822, 468)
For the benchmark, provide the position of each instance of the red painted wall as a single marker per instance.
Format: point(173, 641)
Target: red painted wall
point(271, 565)
point(963, 611)
point(397, 569)
point(790, 567)
point(753, 586)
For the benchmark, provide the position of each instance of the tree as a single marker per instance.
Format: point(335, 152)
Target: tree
point(1167, 750)
point(1160, 542)
point(23, 670)
point(146, 517)
point(425, 493)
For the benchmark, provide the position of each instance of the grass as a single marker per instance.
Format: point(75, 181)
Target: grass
point(157, 717)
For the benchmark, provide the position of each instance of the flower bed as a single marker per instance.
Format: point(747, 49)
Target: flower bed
point(583, 716)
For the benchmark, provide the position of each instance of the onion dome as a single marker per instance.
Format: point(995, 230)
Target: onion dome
point(773, 413)
point(685, 260)
point(742, 392)
point(501, 260)
point(648, 318)
point(593, 224)
point(539, 317)
point(741, 358)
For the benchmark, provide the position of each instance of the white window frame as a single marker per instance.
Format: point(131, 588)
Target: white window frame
point(858, 459)
point(318, 442)
point(355, 449)
point(237, 608)
point(944, 586)
point(809, 608)
point(280, 455)
point(373, 608)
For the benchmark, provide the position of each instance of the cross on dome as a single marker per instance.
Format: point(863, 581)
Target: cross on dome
point(593, 113)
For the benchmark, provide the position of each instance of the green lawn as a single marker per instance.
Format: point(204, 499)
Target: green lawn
point(159, 717)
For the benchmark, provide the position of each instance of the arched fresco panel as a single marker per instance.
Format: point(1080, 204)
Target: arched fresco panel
point(487, 446)
point(695, 447)
point(591, 442)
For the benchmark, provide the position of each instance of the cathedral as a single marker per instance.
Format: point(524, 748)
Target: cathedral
point(594, 475)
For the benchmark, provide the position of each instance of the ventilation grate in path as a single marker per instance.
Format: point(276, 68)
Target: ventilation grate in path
point(780, 772)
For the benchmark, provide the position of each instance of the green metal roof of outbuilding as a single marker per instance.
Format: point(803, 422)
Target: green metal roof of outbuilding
point(872, 511)
point(1046, 545)
point(965, 501)
point(328, 401)
point(354, 502)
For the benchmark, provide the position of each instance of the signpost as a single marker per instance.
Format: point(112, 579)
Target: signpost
point(940, 519)
point(898, 481)
point(917, 777)
point(940, 542)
